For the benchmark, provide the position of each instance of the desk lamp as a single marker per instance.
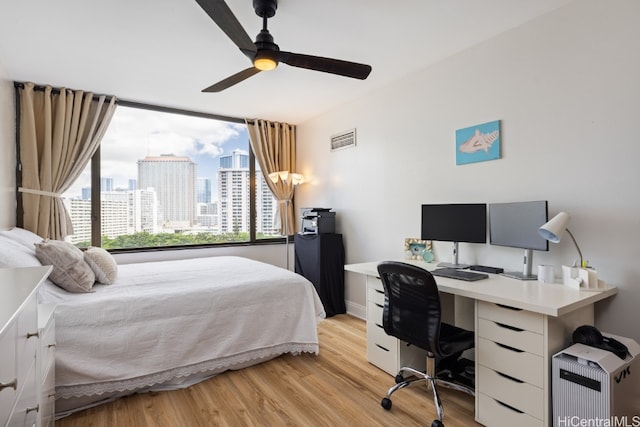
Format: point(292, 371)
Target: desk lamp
point(289, 180)
point(552, 231)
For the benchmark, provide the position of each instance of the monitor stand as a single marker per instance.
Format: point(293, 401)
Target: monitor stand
point(454, 258)
point(526, 269)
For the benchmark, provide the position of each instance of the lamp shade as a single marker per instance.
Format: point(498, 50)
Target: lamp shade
point(553, 230)
point(297, 178)
point(280, 175)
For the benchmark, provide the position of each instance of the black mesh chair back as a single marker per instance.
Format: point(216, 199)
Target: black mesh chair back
point(412, 305)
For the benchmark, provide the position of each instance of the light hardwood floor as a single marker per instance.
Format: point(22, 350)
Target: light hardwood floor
point(336, 388)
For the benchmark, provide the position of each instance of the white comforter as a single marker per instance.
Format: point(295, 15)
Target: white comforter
point(164, 320)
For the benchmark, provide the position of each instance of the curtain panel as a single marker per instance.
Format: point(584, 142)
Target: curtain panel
point(274, 145)
point(59, 131)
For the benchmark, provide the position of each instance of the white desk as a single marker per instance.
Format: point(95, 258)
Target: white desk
point(518, 325)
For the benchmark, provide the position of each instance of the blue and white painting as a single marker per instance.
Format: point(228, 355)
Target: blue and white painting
point(478, 143)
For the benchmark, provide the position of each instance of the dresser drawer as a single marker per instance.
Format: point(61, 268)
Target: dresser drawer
point(510, 335)
point(521, 365)
point(522, 319)
point(494, 413)
point(8, 370)
point(520, 395)
point(26, 409)
point(27, 341)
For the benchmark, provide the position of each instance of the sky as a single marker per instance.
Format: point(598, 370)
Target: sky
point(135, 133)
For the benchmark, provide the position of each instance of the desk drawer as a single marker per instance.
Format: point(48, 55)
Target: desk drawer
point(376, 296)
point(510, 335)
point(515, 363)
point(522, 319)
point(494, 413)
point(520, 395)
point(382, 350)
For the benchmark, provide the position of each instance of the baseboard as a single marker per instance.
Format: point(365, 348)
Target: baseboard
point(356, 310)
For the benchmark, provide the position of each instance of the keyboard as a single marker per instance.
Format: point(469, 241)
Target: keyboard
point(452, 273)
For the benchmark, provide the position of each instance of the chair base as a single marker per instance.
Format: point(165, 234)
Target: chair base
point(432, 382)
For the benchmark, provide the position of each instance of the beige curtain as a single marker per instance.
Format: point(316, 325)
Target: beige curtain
point(59, 133)
point(274, 145)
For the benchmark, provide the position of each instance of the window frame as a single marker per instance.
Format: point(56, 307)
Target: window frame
point(96, 220)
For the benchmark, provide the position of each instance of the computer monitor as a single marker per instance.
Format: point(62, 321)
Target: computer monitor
point(457, 222)
point(515, 225)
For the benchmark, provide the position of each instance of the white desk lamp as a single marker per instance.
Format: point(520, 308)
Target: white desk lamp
point(290, 180)
point(552, 231)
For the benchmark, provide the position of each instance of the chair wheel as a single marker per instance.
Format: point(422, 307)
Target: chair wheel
point(437, 423)
point(386, 403)
point(399, 379)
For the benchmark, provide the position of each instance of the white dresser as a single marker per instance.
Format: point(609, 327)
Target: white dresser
point(19, 344)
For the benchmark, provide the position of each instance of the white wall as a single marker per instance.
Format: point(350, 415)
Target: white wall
point(566, 89)
point(7, 151)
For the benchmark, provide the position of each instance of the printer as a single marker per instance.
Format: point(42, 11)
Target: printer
point(317, 221)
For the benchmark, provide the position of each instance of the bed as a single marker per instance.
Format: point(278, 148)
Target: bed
point(170, 324)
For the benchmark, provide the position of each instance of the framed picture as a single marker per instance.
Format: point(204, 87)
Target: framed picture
point(478, 143)
point(418, 249)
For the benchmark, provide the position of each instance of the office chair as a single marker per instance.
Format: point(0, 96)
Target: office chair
point(412, 313)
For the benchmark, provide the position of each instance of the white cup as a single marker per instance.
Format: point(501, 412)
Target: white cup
point(546, 274)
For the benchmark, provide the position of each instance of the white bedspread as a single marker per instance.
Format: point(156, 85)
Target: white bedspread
point(164, 320)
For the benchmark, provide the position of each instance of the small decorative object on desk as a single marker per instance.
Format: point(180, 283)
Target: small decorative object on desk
point(584, 279)
point(417, 249)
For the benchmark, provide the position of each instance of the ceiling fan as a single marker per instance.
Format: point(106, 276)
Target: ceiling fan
point(264, 53)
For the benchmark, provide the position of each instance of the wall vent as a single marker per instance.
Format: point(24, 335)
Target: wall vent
point(343, 140)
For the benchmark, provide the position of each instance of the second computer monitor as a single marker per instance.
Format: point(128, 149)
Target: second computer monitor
point(516, 225)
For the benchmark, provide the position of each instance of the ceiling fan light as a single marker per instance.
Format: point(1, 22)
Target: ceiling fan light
point(264, 64)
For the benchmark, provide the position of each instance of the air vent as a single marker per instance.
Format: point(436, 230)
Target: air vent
point(343, 140)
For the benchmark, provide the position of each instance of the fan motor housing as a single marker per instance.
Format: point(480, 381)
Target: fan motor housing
point(265, 7)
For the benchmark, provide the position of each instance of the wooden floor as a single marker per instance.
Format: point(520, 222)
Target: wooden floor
point(336, 388)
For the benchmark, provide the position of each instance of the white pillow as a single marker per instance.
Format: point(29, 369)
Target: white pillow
point(24, 237)
point(70, 271)
point(102, 263)
point(14, 254)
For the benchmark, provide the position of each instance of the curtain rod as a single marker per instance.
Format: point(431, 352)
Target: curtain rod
point(135, 104)
point(55, 90)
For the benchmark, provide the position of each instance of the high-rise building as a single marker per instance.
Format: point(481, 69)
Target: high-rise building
point(174, 180)
point(143, 211)
point(238, 159)
point(133, 184)
point(204, 190)
point(233, 196)
point(106, 184)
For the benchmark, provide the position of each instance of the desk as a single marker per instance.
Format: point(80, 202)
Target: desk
point(518, 324)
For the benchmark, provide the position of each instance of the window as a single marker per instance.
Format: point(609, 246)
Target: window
point(171, 178)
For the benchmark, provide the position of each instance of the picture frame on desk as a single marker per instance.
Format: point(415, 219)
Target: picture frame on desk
point(417, 249)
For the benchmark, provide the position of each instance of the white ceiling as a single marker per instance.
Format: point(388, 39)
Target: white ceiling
point(165, 52)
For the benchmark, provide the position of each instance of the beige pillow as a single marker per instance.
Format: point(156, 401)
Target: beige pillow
point(102, 263)
point(70, 271)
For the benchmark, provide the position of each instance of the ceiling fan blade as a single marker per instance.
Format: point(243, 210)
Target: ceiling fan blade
point(327, 65)
point(232, 80)
point(227, 21)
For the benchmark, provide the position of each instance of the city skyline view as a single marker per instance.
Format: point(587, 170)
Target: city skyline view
point(134, 134)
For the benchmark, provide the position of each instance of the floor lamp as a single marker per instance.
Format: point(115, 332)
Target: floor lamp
point(289, 180)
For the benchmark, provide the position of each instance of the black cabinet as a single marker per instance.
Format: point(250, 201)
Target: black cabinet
point(320, 258)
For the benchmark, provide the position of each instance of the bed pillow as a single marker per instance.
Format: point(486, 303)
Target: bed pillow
point(70, 271)
point(102, 263)
point(24, 237)
point(14, 255)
